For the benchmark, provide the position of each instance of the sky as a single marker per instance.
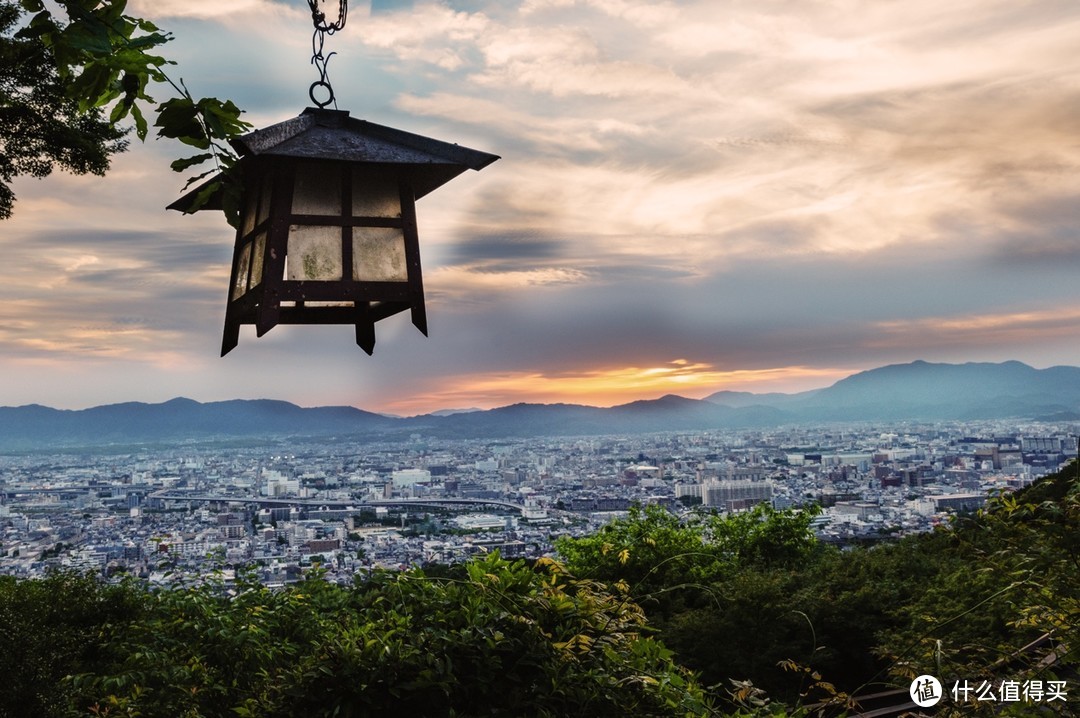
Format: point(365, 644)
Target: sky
point(749, 195)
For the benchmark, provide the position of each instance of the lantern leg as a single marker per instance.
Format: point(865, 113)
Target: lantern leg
point(266, 317)
point(419, 317)
point(365, 336)
point(412, 259)
point(231, 336)
point(365, 327)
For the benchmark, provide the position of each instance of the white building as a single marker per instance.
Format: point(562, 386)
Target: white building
point(410, 477)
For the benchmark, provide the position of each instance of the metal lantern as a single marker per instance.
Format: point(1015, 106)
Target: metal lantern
point(327, 231)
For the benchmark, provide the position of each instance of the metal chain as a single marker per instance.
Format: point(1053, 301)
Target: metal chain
point(322, 29)
point(318, 17)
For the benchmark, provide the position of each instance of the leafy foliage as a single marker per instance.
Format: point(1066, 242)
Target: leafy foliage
point(491, 638)
point(1007, 606)
point(41, 127)
point(101, 61)
point(654, 550)
point(765, 537)
point(51, 628)
point(651, 550)
point(750, 601)
point(718, 587)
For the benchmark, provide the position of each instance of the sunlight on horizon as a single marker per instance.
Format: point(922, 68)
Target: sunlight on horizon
point(610, 386)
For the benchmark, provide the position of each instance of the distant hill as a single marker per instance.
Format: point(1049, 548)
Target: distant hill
point(451, 412)
point(178, 419)
point(669, 413)
point(919, 390)
point(922, 390)
point(738, 399)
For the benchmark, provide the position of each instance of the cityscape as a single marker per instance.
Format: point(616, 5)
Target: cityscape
point(188, 511)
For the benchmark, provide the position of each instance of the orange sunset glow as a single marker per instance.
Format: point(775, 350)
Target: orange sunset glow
point(610, 387)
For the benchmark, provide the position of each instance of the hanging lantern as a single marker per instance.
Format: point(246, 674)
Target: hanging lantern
point(327, 229)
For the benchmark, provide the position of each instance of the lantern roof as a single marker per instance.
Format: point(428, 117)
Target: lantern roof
point(321, 134)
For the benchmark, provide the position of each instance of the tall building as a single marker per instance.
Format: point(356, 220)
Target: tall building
point(736, 495)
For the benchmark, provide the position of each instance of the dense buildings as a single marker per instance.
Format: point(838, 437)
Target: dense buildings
point(176, 513)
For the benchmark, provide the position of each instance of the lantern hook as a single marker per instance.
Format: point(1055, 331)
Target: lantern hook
point(322, 29)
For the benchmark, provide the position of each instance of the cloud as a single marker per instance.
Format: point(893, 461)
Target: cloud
point(432, 34)
point(527, 246)
point(840, 138)
point(644, 14)
point(202, 9)
point(1040, 231)
point(1013, 328)
point(99, 272)
point(527, 131)
point(468, 280)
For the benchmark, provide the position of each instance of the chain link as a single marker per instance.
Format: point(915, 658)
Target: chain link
point(322, 29)
point(318, 17)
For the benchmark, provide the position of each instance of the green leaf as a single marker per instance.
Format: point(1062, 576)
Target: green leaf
point(40, 25)
point(182, 164)
point(148, 41)
point(196, 178)
point(119, 112)
point(192, 180)
point(222, 118)
point(89, 37)
point(93, 87)
point(178, 119)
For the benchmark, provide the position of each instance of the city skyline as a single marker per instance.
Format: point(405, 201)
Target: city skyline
point(692, 197)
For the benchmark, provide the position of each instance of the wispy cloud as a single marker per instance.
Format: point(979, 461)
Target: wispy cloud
point(837, 131)
point(202, 9)
point(993, 329)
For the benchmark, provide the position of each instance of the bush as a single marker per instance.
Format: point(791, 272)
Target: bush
point(490, 638)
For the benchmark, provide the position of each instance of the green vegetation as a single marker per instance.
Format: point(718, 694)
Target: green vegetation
point(720, 589)
point(50, 629)
point(640, 617)
point(488, 638)
point(67, 88)
point(40, 126)
point(755, 598)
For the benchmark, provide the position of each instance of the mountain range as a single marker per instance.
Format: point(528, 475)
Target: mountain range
point(899, 392)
